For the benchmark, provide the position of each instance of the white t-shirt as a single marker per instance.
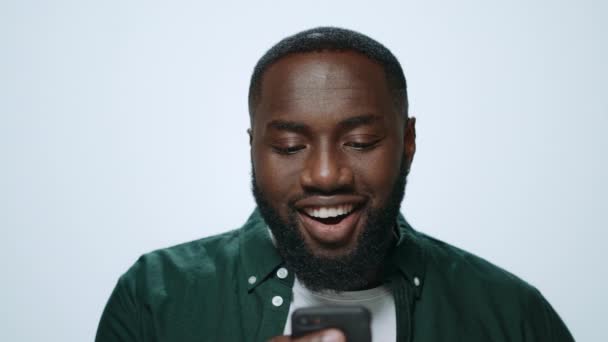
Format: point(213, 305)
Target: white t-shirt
point(378, 300)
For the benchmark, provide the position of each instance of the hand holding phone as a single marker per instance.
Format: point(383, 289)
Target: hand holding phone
point(353, 321)
point(328, 335)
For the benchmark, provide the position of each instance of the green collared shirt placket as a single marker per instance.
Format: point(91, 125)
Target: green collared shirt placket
point(406, 280)
point(265, 289)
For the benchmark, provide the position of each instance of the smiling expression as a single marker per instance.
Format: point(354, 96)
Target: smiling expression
point(328, 141)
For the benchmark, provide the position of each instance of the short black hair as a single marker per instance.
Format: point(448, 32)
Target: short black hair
point(332, 39)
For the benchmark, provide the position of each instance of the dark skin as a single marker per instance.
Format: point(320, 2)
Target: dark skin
point(326, 131)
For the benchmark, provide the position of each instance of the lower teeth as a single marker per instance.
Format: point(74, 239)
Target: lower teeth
point(331, 220)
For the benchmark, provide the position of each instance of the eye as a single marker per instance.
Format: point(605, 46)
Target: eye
point(361, 146)
point(288, 150)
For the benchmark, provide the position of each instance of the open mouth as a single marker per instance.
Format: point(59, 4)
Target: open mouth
point(330, 215)
point(331, 225)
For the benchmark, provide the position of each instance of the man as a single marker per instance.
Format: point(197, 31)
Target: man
point(331, 147)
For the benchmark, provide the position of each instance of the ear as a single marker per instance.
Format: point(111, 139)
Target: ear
point(409, 141)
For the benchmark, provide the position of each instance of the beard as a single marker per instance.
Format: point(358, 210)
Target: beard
point(349, 271)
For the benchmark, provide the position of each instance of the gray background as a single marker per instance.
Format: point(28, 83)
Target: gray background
point(122, 130)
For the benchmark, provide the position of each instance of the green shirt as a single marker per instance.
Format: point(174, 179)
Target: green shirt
point(225, 288)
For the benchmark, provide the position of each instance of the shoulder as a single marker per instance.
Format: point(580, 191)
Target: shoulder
point(452, 261)
point(202, 263)
point(473, 281)
point(459, 280)
point(177, 267)
point(188, 256)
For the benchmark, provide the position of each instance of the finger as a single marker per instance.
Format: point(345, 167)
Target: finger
point(329, 335)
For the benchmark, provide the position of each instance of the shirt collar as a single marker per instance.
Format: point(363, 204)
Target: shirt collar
point(408, 256)
point(260, 258)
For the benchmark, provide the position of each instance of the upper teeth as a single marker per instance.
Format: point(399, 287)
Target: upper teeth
point(325, 212)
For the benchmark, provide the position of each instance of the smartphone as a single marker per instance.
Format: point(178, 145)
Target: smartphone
point(353, 321)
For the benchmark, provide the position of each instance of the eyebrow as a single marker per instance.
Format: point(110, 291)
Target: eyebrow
point(290, 126)
point(360, 120)
point(349, 123)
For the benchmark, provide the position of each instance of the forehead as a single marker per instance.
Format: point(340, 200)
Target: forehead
point(324, 83)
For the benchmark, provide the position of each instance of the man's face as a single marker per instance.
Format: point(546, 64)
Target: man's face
point(330, 151)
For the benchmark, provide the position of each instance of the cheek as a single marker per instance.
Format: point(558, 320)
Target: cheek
point(379, 178)
point(276, 176)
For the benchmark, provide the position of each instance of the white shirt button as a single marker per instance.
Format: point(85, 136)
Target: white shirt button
point(252, 280)
point(277, 300)
point(416, 281)
point(282, 273)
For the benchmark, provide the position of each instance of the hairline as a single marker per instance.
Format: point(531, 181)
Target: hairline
point(397, 94)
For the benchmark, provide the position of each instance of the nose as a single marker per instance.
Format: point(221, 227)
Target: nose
point(326, 172)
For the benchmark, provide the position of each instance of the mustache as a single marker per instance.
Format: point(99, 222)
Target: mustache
point(316, 193)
